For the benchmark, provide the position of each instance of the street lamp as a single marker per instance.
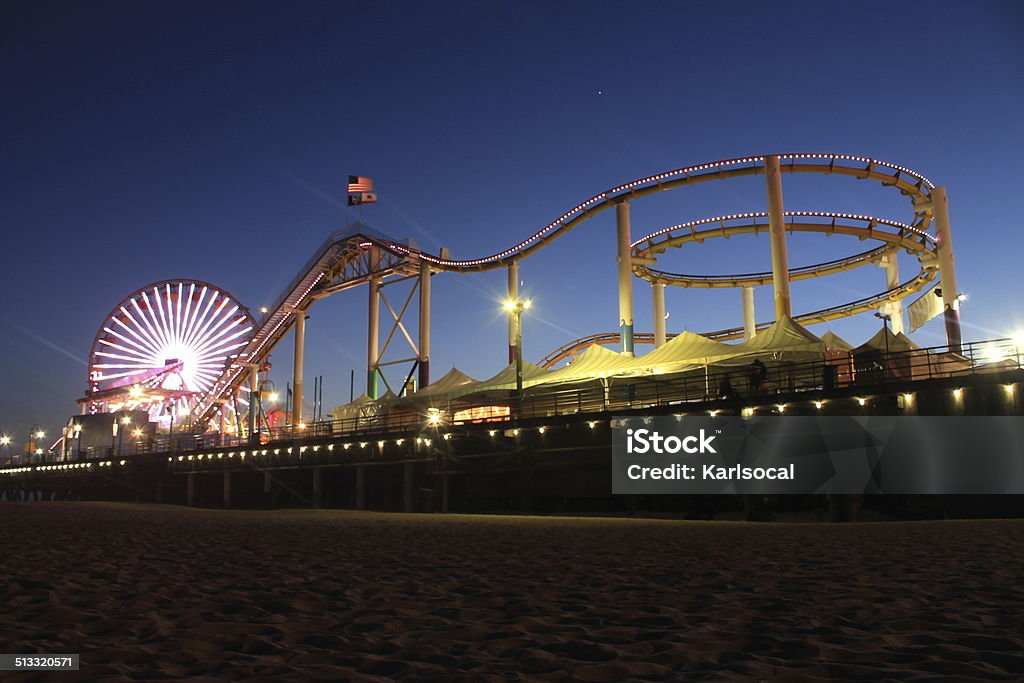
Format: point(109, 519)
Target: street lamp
point(35, 435)
point(515, 307)
point(885, 335)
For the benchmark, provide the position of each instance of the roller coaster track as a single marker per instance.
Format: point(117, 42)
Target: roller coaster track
point(343, 259)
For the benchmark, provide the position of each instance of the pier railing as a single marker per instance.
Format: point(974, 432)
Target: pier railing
point(725, 387)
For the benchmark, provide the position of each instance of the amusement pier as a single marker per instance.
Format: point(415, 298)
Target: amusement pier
point(179, 407)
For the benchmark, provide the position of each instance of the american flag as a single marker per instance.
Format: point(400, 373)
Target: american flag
point(357, 183)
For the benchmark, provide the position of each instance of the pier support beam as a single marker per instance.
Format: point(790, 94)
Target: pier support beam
point(360, 487)
point(894, 309)
point(445, 483)
point(513, 295)
point(660, 332)
point(190, 496)
point(297, 366)
point(777, 231)
point(424, 340)
point(268, 489)
point(947, 272)
point(373, 331)
point(625, 265)
point(227, 490)
point(408, 487)
point(318, 487)
point(749, 318)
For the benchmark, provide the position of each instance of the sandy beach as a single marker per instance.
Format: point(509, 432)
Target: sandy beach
point(160, 592)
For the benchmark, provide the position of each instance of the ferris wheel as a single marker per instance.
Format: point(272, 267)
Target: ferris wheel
point(165, 345)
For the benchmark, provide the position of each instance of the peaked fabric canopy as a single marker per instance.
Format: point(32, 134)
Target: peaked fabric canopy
point(884, 340)
point(351, 409)
point(506, 378)
point(834, 342)
point(683, 351)
point(453, 383)
point(452, 380)
point(596, 361)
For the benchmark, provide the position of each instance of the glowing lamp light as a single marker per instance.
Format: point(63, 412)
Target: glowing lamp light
point(1008, 388)
point(862, 401)
point(819, 404)
point(434, 419)
point(264, 310)
point(40, 434)
point(5, 440)
point(592, 424)
point(137, 432)
point(273, 396)
point(958, 394)
point(782, 407)
point(541, 430)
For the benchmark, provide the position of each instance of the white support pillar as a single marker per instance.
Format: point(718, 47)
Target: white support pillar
point(373, 331)
point(513, 295)
point(424, 338)
point(297, 366)
point(660, 332)
point(625, 268)
point(777, 231)
point(749, 318)
point(947, 272)
point(254, 396)
point(894, 309)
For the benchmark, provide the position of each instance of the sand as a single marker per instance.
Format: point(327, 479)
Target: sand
point(160, 592)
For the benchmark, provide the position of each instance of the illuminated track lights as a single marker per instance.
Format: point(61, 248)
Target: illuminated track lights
point(264, 335)
point(862, 401)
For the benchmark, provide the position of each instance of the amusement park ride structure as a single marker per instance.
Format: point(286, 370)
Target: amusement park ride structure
point(191, 346)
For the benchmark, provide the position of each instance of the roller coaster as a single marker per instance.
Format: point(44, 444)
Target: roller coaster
point(216, 350)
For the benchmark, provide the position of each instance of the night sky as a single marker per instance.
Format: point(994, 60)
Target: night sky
point(151, 140)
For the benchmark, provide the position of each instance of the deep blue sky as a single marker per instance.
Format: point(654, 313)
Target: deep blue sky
point(144, 141)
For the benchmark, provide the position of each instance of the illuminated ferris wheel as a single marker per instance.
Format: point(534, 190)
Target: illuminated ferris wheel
point(164, 346)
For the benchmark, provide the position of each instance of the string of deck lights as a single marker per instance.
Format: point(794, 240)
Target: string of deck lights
point(748, 411)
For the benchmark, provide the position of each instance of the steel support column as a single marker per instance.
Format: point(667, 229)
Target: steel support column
point(254, 395)
point(424, 340)
point(227, 489)
point(947, 272)
point(660, 331)
point(625, 268)
point(749, 318)
point(297, 366)
point(513, 295)
point(894, 309)
point(373, 332)
point(777, 231)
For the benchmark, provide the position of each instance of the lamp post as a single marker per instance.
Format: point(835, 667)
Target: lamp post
point(515, 307)
point(36, 434)
point(885, 317)
point(5, 442)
